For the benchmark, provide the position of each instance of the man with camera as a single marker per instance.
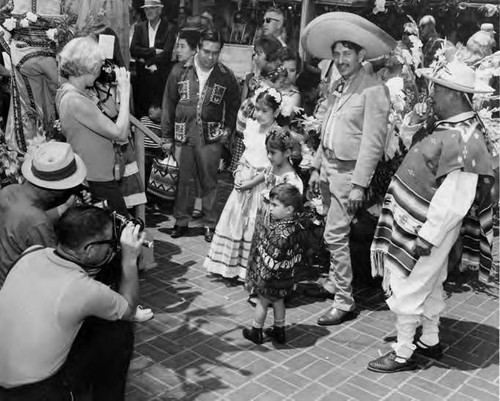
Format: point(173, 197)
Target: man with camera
point(28, 210)
point(62, 330)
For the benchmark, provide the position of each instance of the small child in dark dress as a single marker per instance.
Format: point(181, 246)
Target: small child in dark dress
point(276, 251)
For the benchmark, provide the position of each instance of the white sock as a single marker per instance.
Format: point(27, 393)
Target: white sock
point(430, 331)
point(406, 326)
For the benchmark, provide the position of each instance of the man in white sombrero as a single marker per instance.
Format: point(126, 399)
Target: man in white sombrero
point(442, 187)
point(352, 142)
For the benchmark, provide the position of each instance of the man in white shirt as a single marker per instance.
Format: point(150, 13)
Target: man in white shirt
point(273, 24)
point(152, 45)
point(60, 328)
point(442, 187)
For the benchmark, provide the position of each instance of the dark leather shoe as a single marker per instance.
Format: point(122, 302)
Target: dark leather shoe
point(276, 334)
point(209, 234)
point(391, 363)
point(318, 292)
point(179, 231)
point(197, 213)
point(434, 352)
point(335, 316)
point(254, 335)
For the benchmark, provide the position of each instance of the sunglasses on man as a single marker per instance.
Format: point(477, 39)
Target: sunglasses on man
point(269, 19)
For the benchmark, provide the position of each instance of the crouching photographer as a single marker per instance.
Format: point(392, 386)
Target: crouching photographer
point(84, 334)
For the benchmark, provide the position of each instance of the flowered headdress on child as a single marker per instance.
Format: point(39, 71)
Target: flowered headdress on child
point(273, 92)
point(283, 136)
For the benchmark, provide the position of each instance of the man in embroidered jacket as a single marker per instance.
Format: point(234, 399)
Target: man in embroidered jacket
point(352, 144)
point(442, 186)
point(200, 105)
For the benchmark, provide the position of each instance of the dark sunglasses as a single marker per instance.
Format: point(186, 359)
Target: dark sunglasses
point(269, 19)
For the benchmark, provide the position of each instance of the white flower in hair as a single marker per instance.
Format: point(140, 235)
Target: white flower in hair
point(275, 94)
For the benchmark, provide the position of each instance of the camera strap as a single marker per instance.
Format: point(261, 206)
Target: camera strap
point(100, 101)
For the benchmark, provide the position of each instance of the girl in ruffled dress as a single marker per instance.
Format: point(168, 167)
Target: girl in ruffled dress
point(228, 254)
point(279, 145)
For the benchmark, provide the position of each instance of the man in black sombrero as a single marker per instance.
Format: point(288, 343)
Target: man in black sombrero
point(352, 142)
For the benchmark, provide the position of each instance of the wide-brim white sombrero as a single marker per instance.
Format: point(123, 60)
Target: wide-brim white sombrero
point(322, 32)
point(457, 76)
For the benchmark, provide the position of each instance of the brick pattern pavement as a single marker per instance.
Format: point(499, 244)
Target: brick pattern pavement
point(193, 348)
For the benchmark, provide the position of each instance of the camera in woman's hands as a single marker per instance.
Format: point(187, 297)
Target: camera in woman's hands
point(108, 74)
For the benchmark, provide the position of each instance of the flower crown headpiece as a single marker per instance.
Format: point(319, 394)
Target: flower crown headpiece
point(274, 93)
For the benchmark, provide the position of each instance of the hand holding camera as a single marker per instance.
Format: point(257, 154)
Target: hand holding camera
point(122, 79)
point(131, 241)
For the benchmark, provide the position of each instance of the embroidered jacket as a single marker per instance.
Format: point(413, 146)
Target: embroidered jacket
point(186, 114)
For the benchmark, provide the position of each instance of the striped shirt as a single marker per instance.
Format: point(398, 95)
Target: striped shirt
point(156, 128)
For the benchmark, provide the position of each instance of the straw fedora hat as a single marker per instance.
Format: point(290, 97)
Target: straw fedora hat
point(54, 166)
point(322, 32)
point(152, 3)
point(457, 76)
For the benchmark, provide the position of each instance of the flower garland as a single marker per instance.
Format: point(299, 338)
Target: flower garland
point(274, 93)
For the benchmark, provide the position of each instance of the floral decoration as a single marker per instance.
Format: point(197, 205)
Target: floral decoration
point(10, 164)
point(379, 7)
point(274, 93)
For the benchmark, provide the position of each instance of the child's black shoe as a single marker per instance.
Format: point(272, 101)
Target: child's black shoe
point(277, 334)
point(254, 335)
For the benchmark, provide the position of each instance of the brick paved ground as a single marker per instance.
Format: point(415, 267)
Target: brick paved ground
point(193, 349)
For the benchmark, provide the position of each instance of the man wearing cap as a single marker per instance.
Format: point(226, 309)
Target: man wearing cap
point(51, 174)
point(352, 142)
point(200, 105)
point(152, 46)
point(273, 24)
point(62, 330)
point(442, 187)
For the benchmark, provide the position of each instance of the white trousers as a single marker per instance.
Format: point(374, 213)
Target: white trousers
point(419, 297)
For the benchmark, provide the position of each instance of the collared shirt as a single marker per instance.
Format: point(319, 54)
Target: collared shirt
point(283, 43)
point(152, 33)
point(202, 75)
point(329, 126)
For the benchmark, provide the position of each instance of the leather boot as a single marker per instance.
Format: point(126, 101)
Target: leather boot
point(254, 335)
point(277, 334)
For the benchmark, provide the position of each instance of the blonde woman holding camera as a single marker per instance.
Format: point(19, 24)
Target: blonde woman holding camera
point(85, 125)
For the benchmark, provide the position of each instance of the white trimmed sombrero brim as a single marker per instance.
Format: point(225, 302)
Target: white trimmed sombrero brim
point(456, 86)
point(66, 183)
point(322, 32)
